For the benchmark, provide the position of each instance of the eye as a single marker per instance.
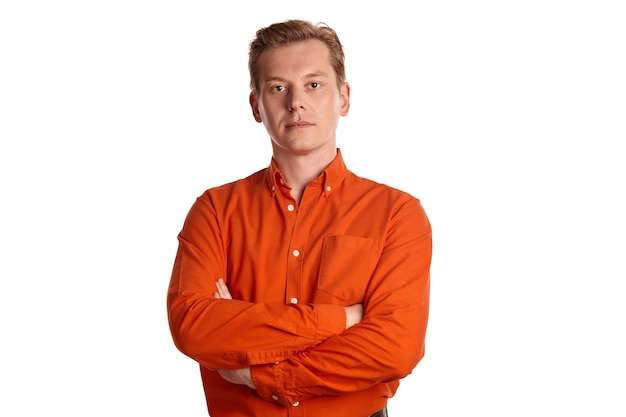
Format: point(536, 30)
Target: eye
point(314, 85)
point(278, 88)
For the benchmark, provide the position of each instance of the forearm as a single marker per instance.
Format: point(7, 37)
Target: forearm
point(385, 346)
point(231, 334)
point(376, 350)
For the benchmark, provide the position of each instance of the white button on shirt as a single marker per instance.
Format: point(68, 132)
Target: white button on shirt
point(294, 300)
point(290, 207)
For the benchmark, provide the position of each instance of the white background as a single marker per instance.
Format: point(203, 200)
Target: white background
point(507, 119)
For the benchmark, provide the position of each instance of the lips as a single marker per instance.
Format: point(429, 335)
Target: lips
point(301, 123)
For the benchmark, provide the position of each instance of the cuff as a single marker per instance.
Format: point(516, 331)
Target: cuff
point(268, 380)
point(331, 320)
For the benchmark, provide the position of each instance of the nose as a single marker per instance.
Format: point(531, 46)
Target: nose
point(295, 101)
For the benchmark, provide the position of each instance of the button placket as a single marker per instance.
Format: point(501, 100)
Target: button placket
point(297, 246)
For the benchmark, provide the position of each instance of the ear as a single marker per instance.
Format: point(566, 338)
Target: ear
point(344, 93)
point(254, 104)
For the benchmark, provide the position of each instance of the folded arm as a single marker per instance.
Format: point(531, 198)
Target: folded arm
point(243, 376)
point(383, 347)
point(304, 350)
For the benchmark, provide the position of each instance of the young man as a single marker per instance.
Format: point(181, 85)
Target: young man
point(303, 289)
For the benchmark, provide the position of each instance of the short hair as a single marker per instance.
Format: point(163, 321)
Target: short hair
point(290, 31)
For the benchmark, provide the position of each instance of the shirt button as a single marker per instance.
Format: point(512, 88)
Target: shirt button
point(275, 397)
point(296, 252)
point(328, 188)
point(297, 403)
point(282, 182)
point(273, 188)
point(290, 207)
point(294, 300)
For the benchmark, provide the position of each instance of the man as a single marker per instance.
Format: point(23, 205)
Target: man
point(301, 290)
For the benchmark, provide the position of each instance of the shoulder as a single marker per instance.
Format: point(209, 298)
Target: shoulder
point(217, 199)
point(385, 198)
point(378, 189)
point(241, 185)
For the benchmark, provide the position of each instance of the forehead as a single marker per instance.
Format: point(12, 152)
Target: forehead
point(296, 60)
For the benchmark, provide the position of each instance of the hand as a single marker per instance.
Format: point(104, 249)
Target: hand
point(222, 291)
point(238, 376)
point(235, 376)
point(354, 314)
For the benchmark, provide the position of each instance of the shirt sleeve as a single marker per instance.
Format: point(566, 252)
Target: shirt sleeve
point(232, 334)
point(387, 344)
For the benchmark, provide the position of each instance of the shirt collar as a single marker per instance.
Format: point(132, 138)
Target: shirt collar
point(329, 179)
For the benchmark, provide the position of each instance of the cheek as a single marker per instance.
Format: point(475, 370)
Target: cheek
point(331, 106)
point(268, 108)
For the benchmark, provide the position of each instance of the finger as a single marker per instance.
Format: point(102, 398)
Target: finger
point(223, 290)
point(218, 294)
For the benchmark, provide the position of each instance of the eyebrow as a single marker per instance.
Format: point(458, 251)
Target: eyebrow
point(309, 75)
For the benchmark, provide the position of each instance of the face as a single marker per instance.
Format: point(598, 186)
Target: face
point(298, 100)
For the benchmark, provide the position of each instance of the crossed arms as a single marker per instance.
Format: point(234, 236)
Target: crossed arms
point(354, 314)
point(304, 350)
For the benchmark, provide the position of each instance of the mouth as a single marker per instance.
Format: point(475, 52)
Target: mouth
point(298, 124)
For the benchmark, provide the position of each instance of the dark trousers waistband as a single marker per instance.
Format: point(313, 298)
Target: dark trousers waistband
point(381, 413)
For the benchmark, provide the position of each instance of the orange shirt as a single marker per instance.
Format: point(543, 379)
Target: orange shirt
point(290, 268)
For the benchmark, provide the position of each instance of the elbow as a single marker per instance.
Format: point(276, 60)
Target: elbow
point(182, 340)
point(181, 336)
point(403, 356)
point(185, 332)
point(409, 365)
point(191, 342)
point(404, 364)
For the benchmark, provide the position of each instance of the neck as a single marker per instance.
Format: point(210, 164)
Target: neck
point(300, 170)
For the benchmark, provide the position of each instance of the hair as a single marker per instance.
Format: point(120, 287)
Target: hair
point(290, 31)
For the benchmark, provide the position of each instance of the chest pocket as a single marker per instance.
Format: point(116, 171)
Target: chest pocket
point(346, 266)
